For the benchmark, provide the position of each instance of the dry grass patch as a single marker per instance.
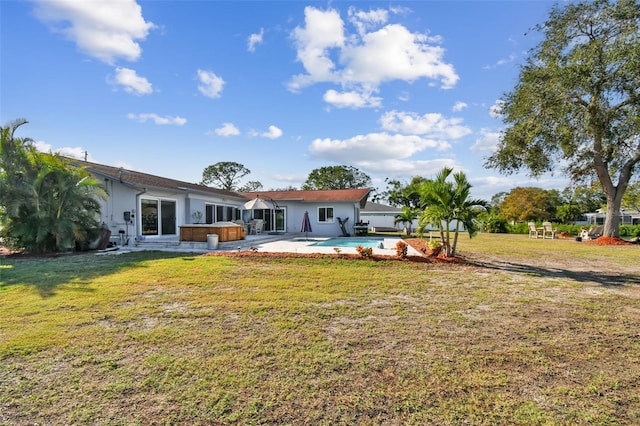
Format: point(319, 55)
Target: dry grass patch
point(158, 338)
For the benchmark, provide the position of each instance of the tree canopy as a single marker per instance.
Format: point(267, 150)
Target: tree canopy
point(401, 194)
point(45, 203)
point(577, 101)
point(337, 177)
point(227, 175)
point(529, 203)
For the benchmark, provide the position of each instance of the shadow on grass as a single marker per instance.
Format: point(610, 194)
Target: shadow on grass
point(47, 273)
point(598, 277)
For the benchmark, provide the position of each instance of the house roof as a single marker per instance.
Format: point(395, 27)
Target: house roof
point(143, 180)
point(315, 196)
point(371, 207)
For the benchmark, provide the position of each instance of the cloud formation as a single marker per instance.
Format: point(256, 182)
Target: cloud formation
point(371, 147)
point(227, 129)
point(105, 30)
point(273, 133)
point(488, 141)
point(361, 60)
point(433, 125)
point(156, 119)
point(210, 84)
point(459, 106)
point(132, 82)
point(255, 39)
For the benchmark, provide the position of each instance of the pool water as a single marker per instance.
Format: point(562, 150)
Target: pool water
point(350, 242)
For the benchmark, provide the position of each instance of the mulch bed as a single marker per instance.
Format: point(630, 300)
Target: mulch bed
point(417, 243)
point(609, 241)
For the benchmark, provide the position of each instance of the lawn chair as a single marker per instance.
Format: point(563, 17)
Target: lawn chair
point(548, 231)
point(255, 226)
point(533, 231)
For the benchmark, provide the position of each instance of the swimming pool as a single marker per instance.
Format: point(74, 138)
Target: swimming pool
point(372, 242)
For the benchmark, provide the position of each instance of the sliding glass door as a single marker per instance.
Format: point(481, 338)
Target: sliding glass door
point(158, 217)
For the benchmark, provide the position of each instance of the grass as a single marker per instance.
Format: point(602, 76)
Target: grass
point(528, 332)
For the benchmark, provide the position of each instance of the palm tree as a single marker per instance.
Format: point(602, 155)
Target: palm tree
point(406, 217)
point(449, 204)
point(46, 204)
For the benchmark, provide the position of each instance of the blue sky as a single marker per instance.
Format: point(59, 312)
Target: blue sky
point(396, 89)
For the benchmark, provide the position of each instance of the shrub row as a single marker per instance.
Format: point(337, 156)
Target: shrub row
point(523, 228)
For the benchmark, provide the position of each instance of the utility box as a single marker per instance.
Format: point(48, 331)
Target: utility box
point(212, 241)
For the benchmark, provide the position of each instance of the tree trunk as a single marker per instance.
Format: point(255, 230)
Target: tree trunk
point(612, 220)
point(455, 239)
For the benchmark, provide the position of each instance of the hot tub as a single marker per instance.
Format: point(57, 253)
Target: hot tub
point(226, 231)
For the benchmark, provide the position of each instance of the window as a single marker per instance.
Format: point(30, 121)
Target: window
point(325, 214)
point(219, 213)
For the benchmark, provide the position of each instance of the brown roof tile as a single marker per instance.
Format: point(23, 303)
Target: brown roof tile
point(335, 195)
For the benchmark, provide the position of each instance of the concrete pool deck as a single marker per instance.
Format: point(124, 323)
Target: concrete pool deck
point(274, 244)
point(302, 245)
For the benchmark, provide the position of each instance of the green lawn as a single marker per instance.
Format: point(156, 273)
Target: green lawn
point(528, 332)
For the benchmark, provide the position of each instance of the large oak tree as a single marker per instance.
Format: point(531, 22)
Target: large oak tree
point(577, 102)
point(337, 177)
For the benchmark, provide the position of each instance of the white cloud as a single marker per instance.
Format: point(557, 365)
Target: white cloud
point(371, 56)
point(372, 147)
point(395, 53)
point(132, 82)
point(488, 141)
point(273, 133)
point(227, 129)
point(459, 106)
point(495, 111)
point(210, 84)
point(408, 168)
point(486, 187)
point(323, 30)
point(351, 99)
point(433, 125)
point(255, 39)
point(156, 119)
point(367, 20)
point(106, 30)
point(501, 62)
point(72, 152)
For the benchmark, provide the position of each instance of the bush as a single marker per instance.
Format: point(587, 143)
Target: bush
point(495, 225)
point(365, 251)
point(402, 249)
point(630, 230)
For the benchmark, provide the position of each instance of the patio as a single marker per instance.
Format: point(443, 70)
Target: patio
point(272, 243)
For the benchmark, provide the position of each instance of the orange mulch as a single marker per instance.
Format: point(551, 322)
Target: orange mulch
point(417, 243)
point(609, 241)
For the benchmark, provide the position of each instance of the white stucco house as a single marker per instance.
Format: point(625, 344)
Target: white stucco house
point(148, 207)
point(382, 217)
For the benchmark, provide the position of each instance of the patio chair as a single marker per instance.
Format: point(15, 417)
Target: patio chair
point(255, 226)
point(533, 231)
point(548, 231)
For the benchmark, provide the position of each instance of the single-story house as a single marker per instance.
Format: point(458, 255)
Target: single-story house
point(382, 217)
point(598, 218)
point(326, 209)
point(148, 207)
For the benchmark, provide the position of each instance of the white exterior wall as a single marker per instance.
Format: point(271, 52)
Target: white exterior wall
point(295, 213)
point(125, 198)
